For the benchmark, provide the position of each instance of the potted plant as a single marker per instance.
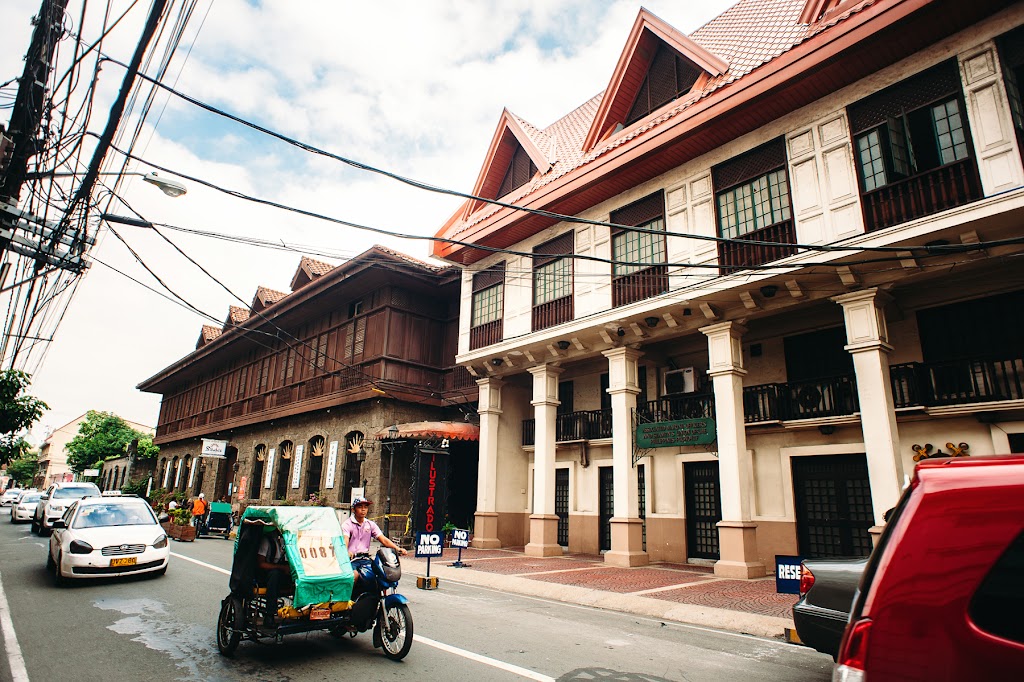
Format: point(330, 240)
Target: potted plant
point(447, 529)
point(181, 525)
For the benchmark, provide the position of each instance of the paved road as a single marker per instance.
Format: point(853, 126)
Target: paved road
point(163, 629)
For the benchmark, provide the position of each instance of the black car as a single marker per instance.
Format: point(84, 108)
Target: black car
point(827, 587)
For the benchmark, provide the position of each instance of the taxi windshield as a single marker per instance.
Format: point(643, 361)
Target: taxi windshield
point(131, 514)
point(72, 492)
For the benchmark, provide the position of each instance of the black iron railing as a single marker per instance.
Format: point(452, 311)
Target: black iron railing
point(571, 426)
point(957, 382)
point(693, 406)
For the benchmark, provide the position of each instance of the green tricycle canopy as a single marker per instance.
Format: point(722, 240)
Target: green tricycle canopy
point(315, 547)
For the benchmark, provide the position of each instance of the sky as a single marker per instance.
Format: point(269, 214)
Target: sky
point(415, 88)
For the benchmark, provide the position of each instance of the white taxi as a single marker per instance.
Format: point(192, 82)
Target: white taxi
point(102, 537)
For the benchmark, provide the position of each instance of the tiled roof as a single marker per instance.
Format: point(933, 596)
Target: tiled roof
point(237, 315)
point(269, 296)
point(315, 267)
point(433, 267)
point(210, 332)
point(748, 35)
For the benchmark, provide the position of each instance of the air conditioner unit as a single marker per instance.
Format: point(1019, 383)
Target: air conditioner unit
point(679, 381)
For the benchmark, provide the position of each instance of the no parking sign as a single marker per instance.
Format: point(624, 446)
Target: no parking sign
point(428, 545)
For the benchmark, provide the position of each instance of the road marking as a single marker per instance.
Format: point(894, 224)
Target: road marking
point(14, 656)
point(508, 667)
point(201, 563)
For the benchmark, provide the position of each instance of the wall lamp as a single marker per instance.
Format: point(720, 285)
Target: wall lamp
point(827, 429)
point(171, 188)
point(769, 290)
point(361, 455)
point(620, 332)
point(563, 345)
point(496, 362)
point(652, 321)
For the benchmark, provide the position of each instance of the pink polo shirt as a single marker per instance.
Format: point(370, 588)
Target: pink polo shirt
point(357, 537)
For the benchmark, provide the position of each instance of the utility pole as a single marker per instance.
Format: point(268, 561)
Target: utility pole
point(28, 106)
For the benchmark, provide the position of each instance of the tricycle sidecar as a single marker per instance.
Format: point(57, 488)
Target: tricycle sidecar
point(323, 585)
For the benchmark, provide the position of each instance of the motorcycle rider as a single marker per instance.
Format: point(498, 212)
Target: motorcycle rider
point(359, 531)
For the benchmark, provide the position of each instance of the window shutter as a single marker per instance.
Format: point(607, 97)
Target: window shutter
point(639, 212)
point(936, 83)
point(551, 250)
point(489, 277)
point(745, 167)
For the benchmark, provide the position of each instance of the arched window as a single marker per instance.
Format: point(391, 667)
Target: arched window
point(284, 464)
point(113, 479)
point(258, 467)
point(172, 480)
point(186, 473)
point(161, 480)
point(124, 472)
point(315, 468)
point(353, 443)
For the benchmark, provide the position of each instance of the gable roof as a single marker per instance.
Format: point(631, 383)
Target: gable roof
point(647, 33)
point(264, 298)
point(747, 43)
point(511, 132)
point(208, 333)
point(308, 270)
point(236, 316)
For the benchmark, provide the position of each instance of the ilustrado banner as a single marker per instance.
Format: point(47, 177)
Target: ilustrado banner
point(430, 504)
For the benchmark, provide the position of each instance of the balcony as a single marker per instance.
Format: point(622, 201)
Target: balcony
point(485, 334)
point(696, 406)
point(923, 194)
point(639, 285)
point(551, 313)
point(734, 255)
point(574, 426)
point(960, 382)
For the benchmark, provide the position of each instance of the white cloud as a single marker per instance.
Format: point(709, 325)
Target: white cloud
point(413, 87)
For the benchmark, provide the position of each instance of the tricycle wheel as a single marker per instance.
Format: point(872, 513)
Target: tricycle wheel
point(395, 631)
point(229, 625)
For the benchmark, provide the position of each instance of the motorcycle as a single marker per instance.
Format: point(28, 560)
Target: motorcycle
point(322, 573)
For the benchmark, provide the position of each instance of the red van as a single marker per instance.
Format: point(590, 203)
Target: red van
point(942, 596)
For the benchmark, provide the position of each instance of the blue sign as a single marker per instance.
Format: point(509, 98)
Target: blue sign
point(787, 574)
point(428, 544)
point(460, 538)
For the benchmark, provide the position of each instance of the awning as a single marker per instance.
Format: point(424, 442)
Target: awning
point(451, 430)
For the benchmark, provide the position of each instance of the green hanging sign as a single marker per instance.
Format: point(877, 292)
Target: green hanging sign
point(675, 433)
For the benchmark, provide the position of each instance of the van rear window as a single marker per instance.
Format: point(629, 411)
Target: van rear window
point(998, 604)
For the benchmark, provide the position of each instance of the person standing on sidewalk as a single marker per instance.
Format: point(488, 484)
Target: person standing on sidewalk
point(199, 508)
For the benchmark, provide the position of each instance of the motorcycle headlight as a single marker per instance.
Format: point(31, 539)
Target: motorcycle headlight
point(161, 542)
point(80, 547)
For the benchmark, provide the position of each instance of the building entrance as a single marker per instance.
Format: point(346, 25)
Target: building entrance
point(703, 509)
point(833, 505)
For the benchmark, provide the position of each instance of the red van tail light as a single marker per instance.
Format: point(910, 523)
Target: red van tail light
point(806, 580)
point(853, 653)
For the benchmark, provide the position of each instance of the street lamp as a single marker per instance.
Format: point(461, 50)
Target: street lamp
point(171, 188)
point(391, 443)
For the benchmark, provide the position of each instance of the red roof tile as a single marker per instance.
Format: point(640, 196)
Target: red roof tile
point(237, 315)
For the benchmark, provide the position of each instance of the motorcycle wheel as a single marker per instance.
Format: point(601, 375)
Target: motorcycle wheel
point(229, 622)
point(396, 632)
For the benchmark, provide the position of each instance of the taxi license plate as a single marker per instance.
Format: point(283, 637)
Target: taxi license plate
point(319, 614)
point(123, 561)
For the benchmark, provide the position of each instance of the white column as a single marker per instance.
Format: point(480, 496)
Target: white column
point(543, 522)
point(867, 339)
point(736, 532)
point(485, 528)
point(627, 527)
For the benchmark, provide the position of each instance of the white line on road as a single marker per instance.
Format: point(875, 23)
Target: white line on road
point(14, 656)
point(508, 667)
point(515, 669)
point(201, 563)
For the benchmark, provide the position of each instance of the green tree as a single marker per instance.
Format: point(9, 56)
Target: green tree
point(101, 435)
point(146, 449)
point(18, 412)
point(24, 469)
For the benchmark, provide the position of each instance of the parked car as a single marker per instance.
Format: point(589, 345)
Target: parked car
point(827, 587)
point(942, 593)
point(106, 537)
point(25, 507)
point(9, 496)
point(56, 500)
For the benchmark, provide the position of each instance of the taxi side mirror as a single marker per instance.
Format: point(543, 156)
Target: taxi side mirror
point(58, 523)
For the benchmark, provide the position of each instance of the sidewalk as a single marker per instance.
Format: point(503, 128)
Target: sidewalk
point(679, 592)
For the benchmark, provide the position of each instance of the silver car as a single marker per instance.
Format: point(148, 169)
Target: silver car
point(25, 506)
